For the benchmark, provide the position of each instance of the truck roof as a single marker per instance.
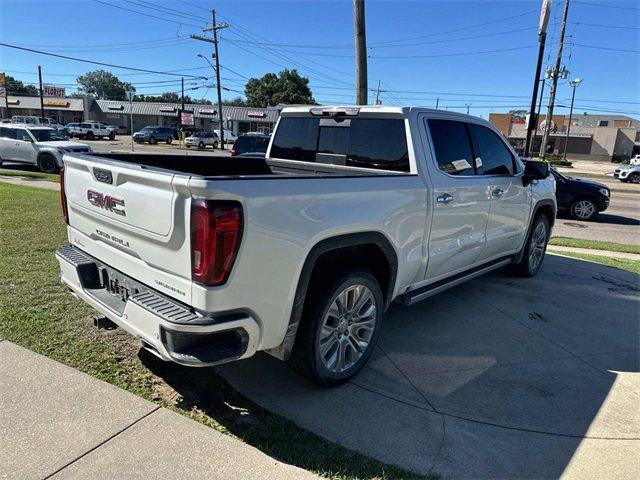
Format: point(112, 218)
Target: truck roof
point(380, 109)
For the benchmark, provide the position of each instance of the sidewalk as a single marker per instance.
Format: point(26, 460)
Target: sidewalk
point(56, 422)
point(590, 251)
point(29, 182)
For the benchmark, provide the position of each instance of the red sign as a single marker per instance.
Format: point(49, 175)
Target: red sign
point(187, 118)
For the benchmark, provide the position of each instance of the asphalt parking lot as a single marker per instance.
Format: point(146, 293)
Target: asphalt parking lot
point(123, 143)
point(501, 377)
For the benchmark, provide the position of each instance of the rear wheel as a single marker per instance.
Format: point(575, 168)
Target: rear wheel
point(338, 333)
point(201, 144)
point(634, 177)
point(48, 164)
point(90, 135)
point(583, 209)
point(215, 145)
point(535, 248)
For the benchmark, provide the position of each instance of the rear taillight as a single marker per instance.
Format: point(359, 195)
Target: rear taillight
point(63, 198)
point(216, 231)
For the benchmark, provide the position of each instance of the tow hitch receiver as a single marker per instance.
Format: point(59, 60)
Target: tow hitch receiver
point(103, 323)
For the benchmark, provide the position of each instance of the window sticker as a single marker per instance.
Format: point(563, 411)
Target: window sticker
point(460, 164)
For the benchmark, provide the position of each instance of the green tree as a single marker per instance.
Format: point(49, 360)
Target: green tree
point(286, 87)
point(519, 114)
point(103, 85)
point(235, 102)
point(16, 87)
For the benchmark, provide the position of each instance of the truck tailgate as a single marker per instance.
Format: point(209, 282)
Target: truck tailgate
point(132, 218)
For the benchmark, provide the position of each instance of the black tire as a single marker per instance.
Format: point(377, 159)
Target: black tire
point(112, 136)
point(306, 357)
point(169, 140)
point(188, 146)
point(529, 266)
point(90, 135)
point(152, 140)
point(201, 145)
point(583, 208)
point(215, 145)
point(48, 164)
point(634, 177)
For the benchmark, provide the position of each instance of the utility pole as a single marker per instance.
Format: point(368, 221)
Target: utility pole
point(361, 52)
point(542, 38)
point(214, 28)
point(535, 129)
point(574, 84)
point(5, 85)
point(468, 105)
point(437, 102)
point(181, 111)
point(554, 83)
point(41, 94)
point(378, 102)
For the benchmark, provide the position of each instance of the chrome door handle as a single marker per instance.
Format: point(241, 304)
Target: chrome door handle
point(444, 198)
point(498, 192)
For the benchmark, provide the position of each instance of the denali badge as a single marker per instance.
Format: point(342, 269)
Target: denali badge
point(112, 204)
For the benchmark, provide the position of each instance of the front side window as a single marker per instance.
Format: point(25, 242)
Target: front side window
point(23, 135)
point(452, 147)
point(492, 155)
point(48, 135)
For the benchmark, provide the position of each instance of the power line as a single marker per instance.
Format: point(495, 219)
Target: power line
point(147, 14)
point(94, 62)
point(454, 54)
point(624, 27)
point(602, 5)
point(597, 47)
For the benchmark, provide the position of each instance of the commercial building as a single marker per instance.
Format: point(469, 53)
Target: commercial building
point(591, 137)
point(113, 112)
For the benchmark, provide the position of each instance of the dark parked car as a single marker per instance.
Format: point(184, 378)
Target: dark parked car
point(250, 143)
point(579, 198)
point(154, 135)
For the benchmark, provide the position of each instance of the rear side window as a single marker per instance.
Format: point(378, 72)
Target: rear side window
point(379, 143)
point(85, 125)
point(494, 156)
point(452, 147)
point(8, 133)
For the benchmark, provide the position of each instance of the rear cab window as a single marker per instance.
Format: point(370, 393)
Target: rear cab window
point(353, 141)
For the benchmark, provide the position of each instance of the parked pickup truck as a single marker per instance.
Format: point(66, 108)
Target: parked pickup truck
point(300, 253)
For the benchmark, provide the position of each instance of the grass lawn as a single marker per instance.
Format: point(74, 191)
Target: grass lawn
point(37, 312)
point(52, 177)
point(594, 245)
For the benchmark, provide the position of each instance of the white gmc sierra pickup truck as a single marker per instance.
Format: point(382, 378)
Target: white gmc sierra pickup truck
point(210, 259)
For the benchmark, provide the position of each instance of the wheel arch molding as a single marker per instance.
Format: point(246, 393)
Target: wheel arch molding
point(344, 243)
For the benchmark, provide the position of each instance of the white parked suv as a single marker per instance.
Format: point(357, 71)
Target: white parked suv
point(91, 130)
point(628, 173)
point(208, 260)
point(201, 140)
point(33, 120)
point(35, 145)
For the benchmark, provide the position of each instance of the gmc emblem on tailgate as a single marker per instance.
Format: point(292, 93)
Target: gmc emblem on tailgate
point(112, 204)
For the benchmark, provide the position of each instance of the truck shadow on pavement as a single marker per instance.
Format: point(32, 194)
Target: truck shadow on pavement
point(502, 377)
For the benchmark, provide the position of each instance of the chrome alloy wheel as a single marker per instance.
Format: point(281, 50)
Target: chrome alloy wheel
point(584, 209)
point(347, 328)
point(537, 246)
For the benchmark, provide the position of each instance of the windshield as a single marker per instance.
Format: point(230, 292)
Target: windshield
point(47, 135)
point(147, 129)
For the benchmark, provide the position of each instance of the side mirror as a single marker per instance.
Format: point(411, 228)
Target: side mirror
point(534, 170)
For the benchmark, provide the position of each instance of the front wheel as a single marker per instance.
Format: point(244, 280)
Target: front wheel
point(152, 140)
point(112, 136)
point(583, 209)
point(48, 164)
point(90, 136)
point(338, 333)
point(535, 248)
point(169, 140)
point(201, 145)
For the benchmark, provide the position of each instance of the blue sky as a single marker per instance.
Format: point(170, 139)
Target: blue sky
point(480, 53)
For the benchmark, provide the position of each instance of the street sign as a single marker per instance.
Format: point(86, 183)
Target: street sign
point(187, 118)
point(130, 94)
point(544, 16)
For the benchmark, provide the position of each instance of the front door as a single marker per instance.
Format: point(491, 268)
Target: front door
point(461, 201)
point(510, 199)
point(23, 149)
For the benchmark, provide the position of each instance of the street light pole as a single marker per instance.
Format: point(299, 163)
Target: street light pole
point(574, 84)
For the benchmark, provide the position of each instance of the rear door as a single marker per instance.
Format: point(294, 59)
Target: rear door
point(461, 200)
point(24, 150)
point(510, 199)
